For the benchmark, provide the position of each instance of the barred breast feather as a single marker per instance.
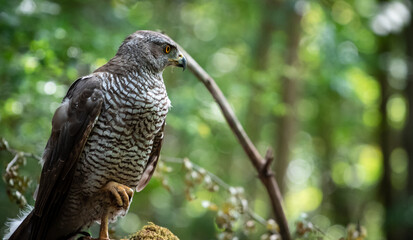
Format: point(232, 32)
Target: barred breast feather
point(121, 142)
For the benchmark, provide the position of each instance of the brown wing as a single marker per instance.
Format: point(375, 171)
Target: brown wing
point(71, 126)
point(153, 160)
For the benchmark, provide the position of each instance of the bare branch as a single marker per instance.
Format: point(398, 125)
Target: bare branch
point(256, 159)
point(269, 157)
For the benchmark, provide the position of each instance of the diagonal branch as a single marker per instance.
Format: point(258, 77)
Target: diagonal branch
point(260, 164)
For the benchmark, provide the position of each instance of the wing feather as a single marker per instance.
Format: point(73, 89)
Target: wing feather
point(71, 125)
point(153, 160)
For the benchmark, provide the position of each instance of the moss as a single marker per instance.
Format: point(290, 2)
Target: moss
point(153, 232)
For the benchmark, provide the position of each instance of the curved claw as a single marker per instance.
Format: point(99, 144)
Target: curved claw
point(122, 193)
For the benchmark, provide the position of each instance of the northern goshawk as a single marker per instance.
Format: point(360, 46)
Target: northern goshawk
point(105, 141)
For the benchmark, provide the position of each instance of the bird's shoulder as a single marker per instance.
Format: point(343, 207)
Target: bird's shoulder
point(85, 83)
point(78, 111)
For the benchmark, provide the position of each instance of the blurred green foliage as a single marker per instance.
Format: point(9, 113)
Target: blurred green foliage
point(336, 163)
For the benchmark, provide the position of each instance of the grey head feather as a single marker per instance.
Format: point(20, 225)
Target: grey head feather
point(144, 50)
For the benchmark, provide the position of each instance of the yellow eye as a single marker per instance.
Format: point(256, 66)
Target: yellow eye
point(167, 49)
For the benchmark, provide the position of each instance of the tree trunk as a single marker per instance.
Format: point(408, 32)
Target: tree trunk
point(408, 130)
point(260, 63)
point(287, 123)
point(260, 58)
point(384, 133)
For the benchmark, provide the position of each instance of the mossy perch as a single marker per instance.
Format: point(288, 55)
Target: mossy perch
point(153, 232)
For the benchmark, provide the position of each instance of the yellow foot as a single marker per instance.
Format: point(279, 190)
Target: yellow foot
point(122, 194)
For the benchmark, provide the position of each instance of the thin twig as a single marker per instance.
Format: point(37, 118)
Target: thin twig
point(256, 159)
point(5, 145)
point(218, 181)
point(12, 162)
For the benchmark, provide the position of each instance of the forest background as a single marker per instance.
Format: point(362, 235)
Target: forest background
point(327, 84)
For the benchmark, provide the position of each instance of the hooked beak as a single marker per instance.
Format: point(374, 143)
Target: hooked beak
point(179, 62)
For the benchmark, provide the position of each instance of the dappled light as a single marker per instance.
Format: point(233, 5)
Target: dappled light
point(391, 18)
point(323, 87)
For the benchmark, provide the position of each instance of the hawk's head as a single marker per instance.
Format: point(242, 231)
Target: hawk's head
point(151, 50)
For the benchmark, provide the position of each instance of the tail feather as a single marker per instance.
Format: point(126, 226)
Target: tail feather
point(19, 228)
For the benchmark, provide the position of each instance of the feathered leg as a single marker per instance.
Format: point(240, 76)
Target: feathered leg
point(122, 195)
point(21, 227)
